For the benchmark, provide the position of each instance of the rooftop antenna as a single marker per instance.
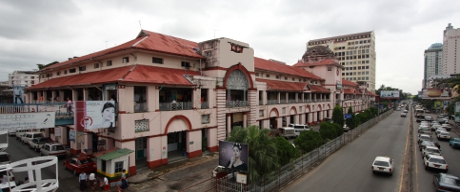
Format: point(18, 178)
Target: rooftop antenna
point(140, 25)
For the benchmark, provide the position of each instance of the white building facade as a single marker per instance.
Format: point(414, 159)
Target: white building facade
point(356, 52)
point(432, 63)
point(451, 51)
point(23, 78)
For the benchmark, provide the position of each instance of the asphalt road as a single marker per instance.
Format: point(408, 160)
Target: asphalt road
point(349, 169)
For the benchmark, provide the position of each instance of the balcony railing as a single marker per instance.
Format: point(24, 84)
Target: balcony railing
point(174, 106)
point(231, 104)
point(261, 102)
point(292, 101)
point(59, 108)
point(283, 101)
point(272, 102)
point(140, 107)
point(205, 105)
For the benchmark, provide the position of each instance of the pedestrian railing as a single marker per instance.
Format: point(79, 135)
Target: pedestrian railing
point(288, 173)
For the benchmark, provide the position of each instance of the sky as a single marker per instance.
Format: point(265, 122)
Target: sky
point(40, 31)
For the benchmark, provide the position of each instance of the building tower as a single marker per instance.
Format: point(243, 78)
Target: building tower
point(451, 49)
point(432, 63)
point(356, 52)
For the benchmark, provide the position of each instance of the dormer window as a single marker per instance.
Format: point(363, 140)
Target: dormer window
point(185, 64)
point(125, 60)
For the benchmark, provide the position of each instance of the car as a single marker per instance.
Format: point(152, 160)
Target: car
point(428, 118)
point(435, 126)
point(12, 132)
point(435, 162)
point(446, 182)
point(444, 135)
point(423, 137)
point(298, 128)
point(455, 142)
point(29, 136)
point(19, 133)
point(424, 144)
point(55, 149)
point(382, 164)
point(37, 143)
point(346, 128)
point(446, 126)
point(4, 158)
point(424, 130)
point(79, 164)
point(439, 130)
point(431, 150)
point(403, 114)
point(406, 111)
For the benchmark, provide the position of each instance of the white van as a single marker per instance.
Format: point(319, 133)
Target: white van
point(287, 132)
point(28, 136)
point(298, 128)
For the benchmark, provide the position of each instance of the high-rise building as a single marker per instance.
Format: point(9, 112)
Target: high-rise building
point(432, 63)
point(356, 52)
point(23, 78)
point(451, 49)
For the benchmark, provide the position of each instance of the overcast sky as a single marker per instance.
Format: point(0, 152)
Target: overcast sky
point(39, 31)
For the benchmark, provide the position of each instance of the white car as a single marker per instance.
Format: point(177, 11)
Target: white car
point(431, 150)
point(435, 162)
point(383, 164)
point(444, 135)
point(446, 126)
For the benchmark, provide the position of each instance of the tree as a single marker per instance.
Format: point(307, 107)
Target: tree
point(285, 150)
point(337, 115)
point(263, 158)
point(42, 66)
point(327, 131)
point(308, 141)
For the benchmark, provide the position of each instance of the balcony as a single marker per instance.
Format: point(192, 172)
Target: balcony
point(292, 101)
point(231, 104)
point(272, 102)
point(205, 105)
point(175, 106)
point(140, 107)
point(261, 102)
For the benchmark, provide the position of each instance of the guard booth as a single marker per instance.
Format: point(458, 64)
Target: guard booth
point(110, 164)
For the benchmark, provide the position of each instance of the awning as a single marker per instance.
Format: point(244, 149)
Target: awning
point(283, 85)
point(113, 154)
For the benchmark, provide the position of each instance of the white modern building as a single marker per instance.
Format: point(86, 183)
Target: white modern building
point(451, 49)
point(432, 63)
point(356, 52)
point(23, 78)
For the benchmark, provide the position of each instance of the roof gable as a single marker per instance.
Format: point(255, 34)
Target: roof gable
point(276, 67)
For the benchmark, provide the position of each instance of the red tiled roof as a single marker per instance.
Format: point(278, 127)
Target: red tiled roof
point(273, 66)
point(146, 40)
point(348, 91)
point(318, 89)
point(316, 63)
point(358, 91)
point(283, 85)
point(133, 74)
point(348, 83)
point(371, 93)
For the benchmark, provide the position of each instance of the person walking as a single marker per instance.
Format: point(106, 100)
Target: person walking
point(92, 181)
point(69, 106)
point(124, 183)
point(106, 184)
point(82, 179)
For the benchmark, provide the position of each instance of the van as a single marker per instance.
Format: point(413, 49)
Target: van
point(287, 132)
point(29, 136)
point(20, 132)
point(298, 128)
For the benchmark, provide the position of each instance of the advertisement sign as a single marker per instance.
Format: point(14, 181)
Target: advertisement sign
point(389, 94)
point(91, 115)
point(347, 116)
point(18, 94)
point(457, 112)
point(57, 131)
point(434, 92)
point(438, 104)
point(17, 121)
point(234, 156)
point(72, 135)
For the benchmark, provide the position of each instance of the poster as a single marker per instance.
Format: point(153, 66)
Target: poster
point(72, 135)
point(90, 115)
point(18, 94)
point(234, 156)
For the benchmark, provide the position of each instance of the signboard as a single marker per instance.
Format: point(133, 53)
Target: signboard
point(438, 105)
point(457, 111)
point(18, 94)
point(234, 156)
point(90, 115)
point(18, 121)
point(347, 116)
point(389, 94)
point(72, 135)
point(241, 178)
point(434, 93)
point(57, 131)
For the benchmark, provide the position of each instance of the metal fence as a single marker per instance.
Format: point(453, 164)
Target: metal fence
point(289, 172)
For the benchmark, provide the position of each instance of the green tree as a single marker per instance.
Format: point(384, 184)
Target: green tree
point(42, 66)
point(308, 141)
point(337, 115)
point(327, 131)
point(285, 150)
point(263, 157)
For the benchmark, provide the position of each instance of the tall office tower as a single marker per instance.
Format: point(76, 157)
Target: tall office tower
point(433, 63)
point(451, 49)
point(356, 52)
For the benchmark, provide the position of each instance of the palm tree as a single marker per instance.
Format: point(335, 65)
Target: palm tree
point(263, 157)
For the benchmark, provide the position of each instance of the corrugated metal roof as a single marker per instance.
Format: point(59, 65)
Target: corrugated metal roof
point(115, 154)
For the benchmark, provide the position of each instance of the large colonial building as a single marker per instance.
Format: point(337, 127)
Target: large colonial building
point(451, 51)
point(174, 95)
point(356, 52)
point(433, 63)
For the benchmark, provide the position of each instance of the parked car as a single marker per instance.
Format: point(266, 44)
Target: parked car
point(431, 150)
point(79, 164)
point(12, 132)
point(444, 135)
point(435, 162)
point(455, 142)
point(446, 182)
point(37, 143)
point(19, 133)
point(424, 130)
point(4, 158)
point(424, 144)
point(55, 149)
point(29, 136)
point(428, 118)
point(382, 164)
point(298, 128)
point(423, 137)
point(446, 126)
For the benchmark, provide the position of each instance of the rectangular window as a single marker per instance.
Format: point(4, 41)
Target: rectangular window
point(293, 79)
point(58, 73)
point(72, 70)
point(278, 77)
point(257, 74)
point(82, 68)
point(157, 60)
point(208, 53)
point(261, 113)
point(329, 68)
point(185, 64)
point(109, 63)
point(118, 166)
point(284, 110)
point(65, 72)
point(96, 65)
point(205, 119)
point(125, 60)
point(141, 125)
point(285, 78)
point(267, 75)
point(103, 166)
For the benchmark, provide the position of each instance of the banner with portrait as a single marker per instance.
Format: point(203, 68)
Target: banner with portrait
point(234, 156)
point(18, 94)
point(90, 115)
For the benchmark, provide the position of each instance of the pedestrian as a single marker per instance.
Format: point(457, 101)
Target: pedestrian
point(106, 184)
point(82, 179)
point(92, 181)
point(69, 106)
point(124, 183)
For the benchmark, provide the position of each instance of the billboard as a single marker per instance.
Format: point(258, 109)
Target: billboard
point(438, 105)
point(457, 112)
point(389, 94)
point(18, 121)
point(434, 92)
point(18, 94)
point(90, 115)
point(234, 156)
